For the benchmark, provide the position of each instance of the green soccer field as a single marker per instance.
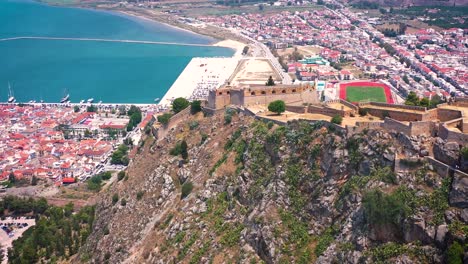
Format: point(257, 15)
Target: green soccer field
point(365, 93)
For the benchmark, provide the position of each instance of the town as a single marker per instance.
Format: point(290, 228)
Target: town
point(64, 143)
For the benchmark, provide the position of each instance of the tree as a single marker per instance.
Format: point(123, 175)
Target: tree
point(87, 133)
point(412, 99)
point(34, 180)
point(186, 189)
point(164, 118)
point(76, 109)
point(179, 104)
point(12, 178)
point(91, 108)
point(277, 107)
point(405, 79)
point(261, 7)
point(183, 149)
point(270, 81)
point(195, 107)
point(320, 2)
point(120, 175)
point(245, 50)
point(337, 119)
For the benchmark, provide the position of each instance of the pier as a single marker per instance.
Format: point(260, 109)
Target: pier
point(111, 40)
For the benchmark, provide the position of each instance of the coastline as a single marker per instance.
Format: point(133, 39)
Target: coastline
point(205, 32)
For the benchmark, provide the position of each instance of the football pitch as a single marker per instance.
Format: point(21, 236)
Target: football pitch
point(365, 93)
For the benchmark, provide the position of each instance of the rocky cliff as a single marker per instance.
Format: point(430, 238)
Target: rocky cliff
point(253, 192)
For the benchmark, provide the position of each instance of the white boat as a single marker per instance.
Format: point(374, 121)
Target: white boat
point(90, 100)
point(157, 99)
point(100, 102)
point(65, 99)
point(11, 98)
point(82, 102)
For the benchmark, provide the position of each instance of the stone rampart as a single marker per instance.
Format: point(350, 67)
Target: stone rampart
point(445, 115)
point(312, 109)
point(394, 125)
point(441, 168)
point(296, 109)
point(452, 136)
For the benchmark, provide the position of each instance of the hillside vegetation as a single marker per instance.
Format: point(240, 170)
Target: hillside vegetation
point(254, 192)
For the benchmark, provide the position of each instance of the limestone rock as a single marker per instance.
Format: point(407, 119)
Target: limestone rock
point(459, 192)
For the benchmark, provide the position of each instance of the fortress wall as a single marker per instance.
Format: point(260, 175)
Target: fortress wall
point(445, 115)
point(452, 136)
point(266, 99)
point(395, 114)
point(461, 101)
point(393, 125)
point(324, 111)
point(464, 127)
point(296, 109)
point(237, 97)
point(350, 105)
point(441, 168)
point(361, 126)
point(430, 115)
point(397, 106)
point(422, 128)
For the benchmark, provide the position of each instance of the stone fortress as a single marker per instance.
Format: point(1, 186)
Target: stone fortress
point(448, 121)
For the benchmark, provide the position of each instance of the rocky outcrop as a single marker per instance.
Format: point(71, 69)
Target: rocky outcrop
point(293, 194)
point(447, 152)
point(459, 191)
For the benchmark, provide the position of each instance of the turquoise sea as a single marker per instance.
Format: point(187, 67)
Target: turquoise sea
point(108, 71)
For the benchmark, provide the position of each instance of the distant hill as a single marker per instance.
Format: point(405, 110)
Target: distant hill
point(417, 2)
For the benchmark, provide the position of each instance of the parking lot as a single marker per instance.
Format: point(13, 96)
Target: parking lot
point(12, 229)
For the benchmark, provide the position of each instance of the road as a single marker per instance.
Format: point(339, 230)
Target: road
point(261, 50)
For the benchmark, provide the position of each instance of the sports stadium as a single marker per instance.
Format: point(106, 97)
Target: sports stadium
point(356, 92)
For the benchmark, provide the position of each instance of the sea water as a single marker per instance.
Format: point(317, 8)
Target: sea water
point(41, 69)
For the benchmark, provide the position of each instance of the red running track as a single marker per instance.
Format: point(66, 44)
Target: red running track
point(387, 91)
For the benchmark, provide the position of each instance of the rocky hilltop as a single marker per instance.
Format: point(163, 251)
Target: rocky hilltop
point(256, 192)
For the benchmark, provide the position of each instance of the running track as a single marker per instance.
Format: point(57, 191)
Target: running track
point(388, 92)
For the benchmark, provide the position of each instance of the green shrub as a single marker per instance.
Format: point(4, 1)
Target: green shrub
point(270, 124)
point(455, 253)
point(204, 137)
point(179, 104)
point(337, 119)
point(164, 118)
point(324, 241)
point(121, 175)
point(227, 119)
point(183, 149)
point(195, 107)
point(140, 195)
point(382, 209)
point(115, 198)
point(277, 107)
point(186, 189)
point(123, 202)
point(464, 153)
point(176, 150)
point(193, 125)
point(387, 251)
point(363, 111)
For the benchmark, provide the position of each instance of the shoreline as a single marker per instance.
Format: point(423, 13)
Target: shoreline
point(206, 32)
